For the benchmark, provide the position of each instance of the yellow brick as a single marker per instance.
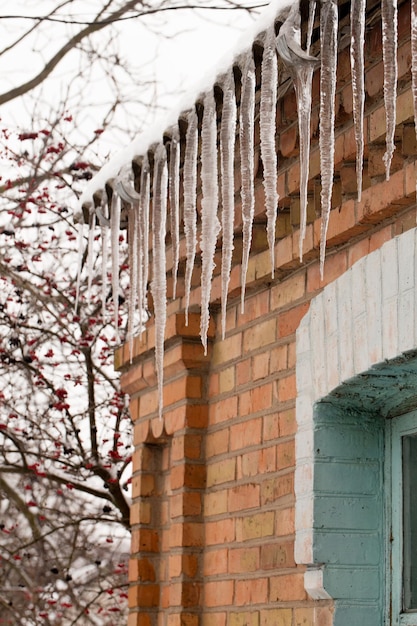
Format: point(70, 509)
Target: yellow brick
point(288, 291)
point(221, 472)
point(214, 619)
point(244, 619)
point(255, 526)
point(304, 617)
point(276, 617)
point(259, 335)
point(227, 350)
point(259, 266)
point(215, 503)
point(227, 380)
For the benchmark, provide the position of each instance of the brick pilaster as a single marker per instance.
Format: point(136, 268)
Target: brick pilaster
point(169, 476)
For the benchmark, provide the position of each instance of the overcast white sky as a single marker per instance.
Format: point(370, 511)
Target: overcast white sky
point(193, 42)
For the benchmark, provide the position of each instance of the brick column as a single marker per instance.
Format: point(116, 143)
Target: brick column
point(169, 476)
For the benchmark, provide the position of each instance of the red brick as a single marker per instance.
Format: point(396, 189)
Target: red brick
point(277, 555)
point(243, 560)
point(270, 427)
point(215, 562)
point(243, 497)
point(220, 532)
point(287, 388)
point(218, 593)
point(185, 504)
point(188, 475)
point(256, 306)
point(358, 250)
point(223, 410)
point(288, 141)
point(243, 372)
point(217, 442)
point(248, 464)
point(251, 591)
point(289, 321)
point(335, 265)
point(144, 595)
point(260, 366)
point(255, 400)
point(267, 460)
point(246, 434)
point(139, 619)
point(287, 588)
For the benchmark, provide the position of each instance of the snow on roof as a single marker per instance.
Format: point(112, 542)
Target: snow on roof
point(140, 145)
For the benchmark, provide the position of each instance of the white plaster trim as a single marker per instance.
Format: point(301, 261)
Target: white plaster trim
point(313, 584)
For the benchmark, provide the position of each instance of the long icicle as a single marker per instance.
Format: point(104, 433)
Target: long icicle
point(357, 42)
point(190, 192)
point(328, 37)
point(210, 225)
point(174, 201)
point(414, 60)
point(143, 241)
point(133, 243)
point(301, 67)
point(104, 251)
point(247, 149)
point(310, 25)
point(227, 152)
point(90, 251)
point(389, 53)
point(159, 283)
point(267, 121)
point(79, 264)
point(115, 232)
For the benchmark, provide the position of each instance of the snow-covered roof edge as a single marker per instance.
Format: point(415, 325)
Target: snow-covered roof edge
point(274, 10)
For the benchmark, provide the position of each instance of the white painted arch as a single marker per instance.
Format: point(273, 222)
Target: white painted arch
point(364, 318)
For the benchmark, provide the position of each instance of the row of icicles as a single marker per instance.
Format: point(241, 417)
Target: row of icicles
point(164, 183)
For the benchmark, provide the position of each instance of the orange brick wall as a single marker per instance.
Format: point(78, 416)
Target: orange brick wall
point(213, 482)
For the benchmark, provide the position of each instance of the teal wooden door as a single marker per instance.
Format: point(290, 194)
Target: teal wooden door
point(402, 449)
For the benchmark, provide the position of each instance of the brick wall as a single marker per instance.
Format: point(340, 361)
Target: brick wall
point(213, 513)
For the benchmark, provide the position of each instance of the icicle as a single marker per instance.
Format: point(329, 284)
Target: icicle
point(310, 26)
point(132, 237)
point(143, 241)
point(357, 42)
point(159, 283)
point(103, 216)
point(79, 263)
point(389, 53)
point(174, 182)
point(125, 184)
point(414, 57)
point(328, 38)
point(190, 193)
point(246, 136)
point(227, 152)
point(210, 226)
point(301, 67)
point(414, 60)
point(90, 250)
point(125, 187)
point(115, 232)
point(267, 122)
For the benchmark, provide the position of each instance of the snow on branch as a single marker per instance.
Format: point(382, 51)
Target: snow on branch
point(188, 165)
